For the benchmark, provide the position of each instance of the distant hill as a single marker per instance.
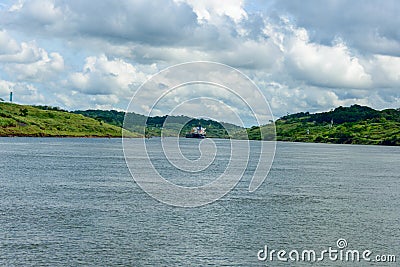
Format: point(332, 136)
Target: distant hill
point(22, 120)
point(344, 125)
point(174, 126)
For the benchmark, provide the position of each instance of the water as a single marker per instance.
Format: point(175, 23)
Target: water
point(72, 202)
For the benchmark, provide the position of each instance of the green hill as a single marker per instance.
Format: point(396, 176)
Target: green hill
point(169, 125)
point(23, 120)
point(343, 125)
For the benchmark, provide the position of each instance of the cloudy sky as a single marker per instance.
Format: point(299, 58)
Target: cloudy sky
point(303, 55)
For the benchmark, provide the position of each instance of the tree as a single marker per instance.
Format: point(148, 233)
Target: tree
point(24, 112)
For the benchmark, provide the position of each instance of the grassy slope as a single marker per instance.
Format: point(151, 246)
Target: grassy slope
point(372, 132)
point(351, 125)
point(20, 120)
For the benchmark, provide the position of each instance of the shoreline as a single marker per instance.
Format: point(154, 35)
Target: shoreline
point(121, 137)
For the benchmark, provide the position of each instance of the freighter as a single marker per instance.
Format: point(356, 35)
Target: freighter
point(197, 132)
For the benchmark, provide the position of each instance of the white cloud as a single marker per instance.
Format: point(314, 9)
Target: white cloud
point(7, 44)
point(16, 6)
point(327, 66)
point(37, 16)
point(386, 70)
point(145, 21)
point(46, 67)
point(27, 61)
point(22, 92)
point(105, 77)
point(210, 10)
point(284, 99)
point(20, 53)
point(27, 93)
point(5, 88)
point(42, 11)
point(303, 56)
point(369, 26)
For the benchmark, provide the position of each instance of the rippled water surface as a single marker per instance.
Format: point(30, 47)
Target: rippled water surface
point(72, 201)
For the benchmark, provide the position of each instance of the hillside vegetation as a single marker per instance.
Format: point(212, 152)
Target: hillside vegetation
point(21, 120)
point(168, 125)
point(343, 125)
